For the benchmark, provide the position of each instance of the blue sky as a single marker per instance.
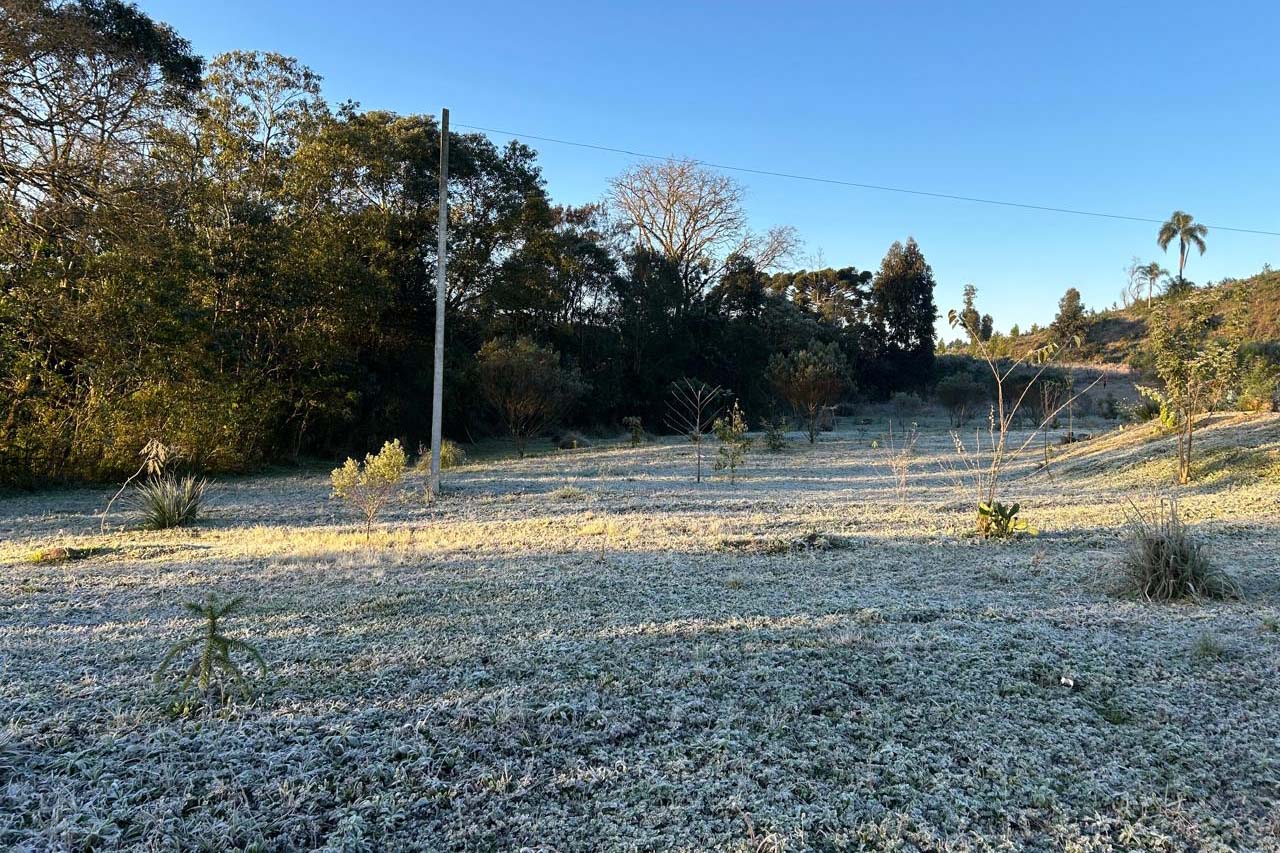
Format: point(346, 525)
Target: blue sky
point(1130, 108)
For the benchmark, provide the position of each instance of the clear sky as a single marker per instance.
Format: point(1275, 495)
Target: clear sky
point(1129, 108)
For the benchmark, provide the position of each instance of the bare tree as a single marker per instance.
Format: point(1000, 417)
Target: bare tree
point(987, 463)
point(694, 216)
point(691, 411)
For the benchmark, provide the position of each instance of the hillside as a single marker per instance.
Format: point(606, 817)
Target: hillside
point(1114, 336)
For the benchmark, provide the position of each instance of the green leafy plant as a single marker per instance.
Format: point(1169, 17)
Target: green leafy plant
point(1259, 384)
point(997, 520)
point(213, 661)
point(526, 386)
point(169, 501)
point(635, 430)
point(371, 486)
point(775, 433)
point(1164, 562)
point(731, 430)
point(451, 456)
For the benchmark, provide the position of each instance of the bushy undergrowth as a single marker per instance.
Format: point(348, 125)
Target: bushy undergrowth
point(451, 456)
point(170, 501)
point(775, 433)
point(1164, 562)
point(572, 440)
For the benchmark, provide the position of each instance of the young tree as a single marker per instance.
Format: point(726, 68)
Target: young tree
point(526, 386)
point(371, 486)
point(1183, 227)
point(1052, 392)
point(810, 380)
point(988, 464)
point(692, 410)
point(1195, 364)
point(1069, 324)
point(734, 442)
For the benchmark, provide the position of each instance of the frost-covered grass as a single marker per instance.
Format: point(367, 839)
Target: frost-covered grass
point(586, 650)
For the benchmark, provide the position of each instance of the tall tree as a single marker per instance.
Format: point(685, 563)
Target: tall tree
point(1149, 274)
point(1069, 323)
point(84, 87)
point(903, 313)
point(694, 216)
point(969, 316)
point(1182, 227)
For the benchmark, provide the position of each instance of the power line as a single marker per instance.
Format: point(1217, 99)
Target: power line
point(856, 184)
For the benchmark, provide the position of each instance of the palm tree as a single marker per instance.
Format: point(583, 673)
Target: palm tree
point(1189, 233)
point(1151, 273)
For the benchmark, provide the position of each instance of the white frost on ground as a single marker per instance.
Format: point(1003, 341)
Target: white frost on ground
point(639, 662)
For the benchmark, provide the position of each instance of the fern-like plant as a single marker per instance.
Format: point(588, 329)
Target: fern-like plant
point(169, 501)
point(213, 649)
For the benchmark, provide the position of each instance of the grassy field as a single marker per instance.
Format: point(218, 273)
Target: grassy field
point(586, 650)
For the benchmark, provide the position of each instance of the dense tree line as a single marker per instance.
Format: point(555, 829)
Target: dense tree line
point(210, 254)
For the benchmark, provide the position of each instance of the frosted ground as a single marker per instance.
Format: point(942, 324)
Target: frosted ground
point(586, 650)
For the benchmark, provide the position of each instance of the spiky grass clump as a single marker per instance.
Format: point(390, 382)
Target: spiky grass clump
point(1164, 562)
point(169, 501)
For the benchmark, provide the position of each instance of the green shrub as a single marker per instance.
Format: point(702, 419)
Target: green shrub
point(1164, 562)
point(451, 456)
point(169, 501)
point(1259, 384)
point(1000, 521)
point(960, 394)
point(775, 433)
point(731, 430)
point(213, 658)
point(635, 429)
point(371, 486)
point(905, 403)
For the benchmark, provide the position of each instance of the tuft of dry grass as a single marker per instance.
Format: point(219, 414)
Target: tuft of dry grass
point(1164, 562)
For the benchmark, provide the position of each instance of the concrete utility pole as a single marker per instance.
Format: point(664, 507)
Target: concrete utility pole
point(437, 383)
